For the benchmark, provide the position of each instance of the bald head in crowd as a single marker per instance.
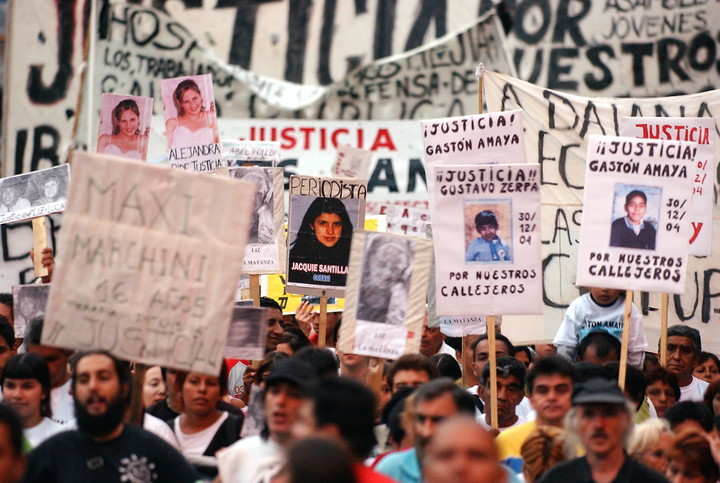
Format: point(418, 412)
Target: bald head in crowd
point(462, 451)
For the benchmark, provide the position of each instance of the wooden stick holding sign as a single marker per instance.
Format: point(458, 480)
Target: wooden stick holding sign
point(39, 243)
point(255, 289)
point(136, 411)
point(322, 333)
point(625, 339)
point(663, 329)
point(492, 403)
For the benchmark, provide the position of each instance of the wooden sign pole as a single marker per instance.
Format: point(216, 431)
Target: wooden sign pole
point(255, 289)
point(39, 243)
point(663, 329)
point(322, 335)
point(136, 411)
point(466, 366)
point(490, 328)
point(625, 339)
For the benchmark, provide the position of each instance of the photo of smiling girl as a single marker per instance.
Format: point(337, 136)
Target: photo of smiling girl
point(124, 126)
point(190, 118)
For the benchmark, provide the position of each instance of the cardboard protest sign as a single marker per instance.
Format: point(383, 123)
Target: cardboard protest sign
point(324, 212)
point(265, 250)
point(190, 123)
point(246, 337)
point(352, 162)
point(250, 153)
point(148, 267)
point(34, 194)
point(29, 301)
point(124, 126)
point(486, 229)
point(636, 214)
point(403, 220)
point(491, 138)
point(386, 292)
point(691, 129)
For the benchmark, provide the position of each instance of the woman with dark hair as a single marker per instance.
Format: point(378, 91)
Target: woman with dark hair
point(707, 367)
point(125, 140)
point(202, 429)
point(323, 238)
point(26, 389)
point(195, 123)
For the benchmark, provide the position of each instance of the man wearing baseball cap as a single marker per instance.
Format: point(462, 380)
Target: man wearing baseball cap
point(602, 418)
point(259, 458)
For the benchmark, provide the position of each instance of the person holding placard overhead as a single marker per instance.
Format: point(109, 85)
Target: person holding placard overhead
point(633, 231)
point(600, 309)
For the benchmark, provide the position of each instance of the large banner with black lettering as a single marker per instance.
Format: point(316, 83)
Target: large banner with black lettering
point(150, 265)
point(386, 294)
point(323, 214)
point(636, 214)
point(696, 130)
point(558, 126)
point(486, 232)
point(616, 47)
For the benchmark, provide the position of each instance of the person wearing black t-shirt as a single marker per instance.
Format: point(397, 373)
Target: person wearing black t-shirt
point(104, 448)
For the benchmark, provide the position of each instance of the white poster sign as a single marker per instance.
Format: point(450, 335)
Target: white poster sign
point(149, 264)
point(29, 301)
point(352, 162)
point(486, 229)
point(35, 194)
point(191, 127)
point(386, 293)
point(636, 215)
point(324, 212)
point(691, 129)
point(247, 333)
point(265, 250)
point(492, 138)
point(250, 153)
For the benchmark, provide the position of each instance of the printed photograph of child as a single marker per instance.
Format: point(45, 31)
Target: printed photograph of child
point(634, 227)
point(488, 238)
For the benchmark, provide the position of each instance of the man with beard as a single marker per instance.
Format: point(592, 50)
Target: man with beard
point(433, 402)
point(104, 448)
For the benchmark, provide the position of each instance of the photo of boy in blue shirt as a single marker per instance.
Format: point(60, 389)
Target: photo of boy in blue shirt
point(488, 247)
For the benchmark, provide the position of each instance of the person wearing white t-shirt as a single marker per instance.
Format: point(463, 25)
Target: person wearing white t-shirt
point(683, 348)
point(26, 389)
point(57, 360)
point(257, 459)
point(510, 391)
